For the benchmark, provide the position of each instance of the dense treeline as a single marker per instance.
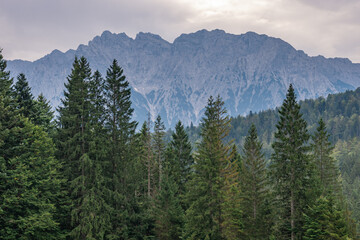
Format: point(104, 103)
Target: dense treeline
point(91, 175)
point(341, 112)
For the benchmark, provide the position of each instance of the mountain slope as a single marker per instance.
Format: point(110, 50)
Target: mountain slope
point(250, 71)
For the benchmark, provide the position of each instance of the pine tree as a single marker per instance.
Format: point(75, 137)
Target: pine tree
point(327, 168)
point(212, 184)
point(255, 187)
point(121, 131)
point(324, 221)
point(291, 169)
point(24, 97)
point(78, 138)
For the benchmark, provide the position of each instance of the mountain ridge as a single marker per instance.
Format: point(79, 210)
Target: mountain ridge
point(250, 71)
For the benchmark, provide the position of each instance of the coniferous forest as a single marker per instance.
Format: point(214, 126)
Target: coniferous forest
point(92, 172)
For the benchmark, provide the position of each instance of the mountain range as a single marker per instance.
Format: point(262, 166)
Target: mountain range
point(251, 72)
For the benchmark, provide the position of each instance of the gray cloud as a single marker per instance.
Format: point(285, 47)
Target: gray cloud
point(32, 28)
point(35, 27)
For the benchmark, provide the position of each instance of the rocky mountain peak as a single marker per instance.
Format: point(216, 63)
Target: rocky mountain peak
point(251, 72)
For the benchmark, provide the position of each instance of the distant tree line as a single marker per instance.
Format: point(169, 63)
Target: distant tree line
point(90, 175)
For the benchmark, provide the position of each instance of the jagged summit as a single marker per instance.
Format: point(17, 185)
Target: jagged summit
point(250, 71)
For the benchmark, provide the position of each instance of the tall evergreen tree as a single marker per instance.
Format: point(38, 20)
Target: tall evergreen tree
point(232, 224)
point(180, 156)
point(159, 147)
point(327, 168)
point(291, 168)
point(255, 187)
point(24, 97)
point(212, 184)
point(141, 213)
point(77, 138)
point(121, 130)
point(9, 119)
point(169, 204)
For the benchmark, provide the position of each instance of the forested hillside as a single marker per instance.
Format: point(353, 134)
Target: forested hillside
point(340, 112)
point(90, 175)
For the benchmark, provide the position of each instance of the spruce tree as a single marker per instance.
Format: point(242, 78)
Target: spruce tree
point(141, 213)
point(30, 185)
point(324, 221)
point(232, 224)
point(24, 97)
point(121, 130)
point(255, 187)
point(147, 158)
point(327, 168)
point(169, 204)
point(213, 184)
point(9, 119)
point(78, 138)
point(28, 172)
point(291, 169)
point(9, 114)
point(5, 80)
point(168, 212)
point(159, 147)
point(43, 114)
point(180, 158)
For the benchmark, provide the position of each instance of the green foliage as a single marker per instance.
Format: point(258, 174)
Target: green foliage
point(324, 221)
point(5, 80)
point(30, 185)
point(348, 155)
point(43, 114)
point(24, 98)
point(159, 148)
point(80, 140)
point(120, 130)
point(208, 216)
point(120, 184)
point(340, 111)
point(182, 159)
point(327, 169)
point(255, 188)
point(168, 212)
point(141, 214)
point(291, 169)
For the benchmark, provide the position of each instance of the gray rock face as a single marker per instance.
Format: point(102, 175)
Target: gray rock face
point(249, 71)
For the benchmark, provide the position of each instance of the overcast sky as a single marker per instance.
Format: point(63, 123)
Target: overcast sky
point(29, 29)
